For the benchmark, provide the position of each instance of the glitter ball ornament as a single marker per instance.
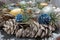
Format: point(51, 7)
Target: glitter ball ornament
point(44, 19)
point(19, 18)
point(16, 11)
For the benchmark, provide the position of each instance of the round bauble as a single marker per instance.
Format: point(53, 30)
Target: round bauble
point(16, 11)
point(43, 4)
point(19, 18)
point(47, 9)
point(44, 19)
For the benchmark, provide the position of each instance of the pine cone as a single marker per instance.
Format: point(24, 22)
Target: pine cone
point(5, 11)
point(5, 17)
point(11, 26)
point(28, 29)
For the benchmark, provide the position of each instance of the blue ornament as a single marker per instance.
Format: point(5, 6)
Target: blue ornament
point(44, 19)
point(19, 18)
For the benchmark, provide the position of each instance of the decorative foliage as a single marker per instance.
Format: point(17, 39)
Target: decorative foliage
point(54, 18)
point(26, 17)
point(44, 19)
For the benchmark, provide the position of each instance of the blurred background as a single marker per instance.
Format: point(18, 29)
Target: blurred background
point(54, 2)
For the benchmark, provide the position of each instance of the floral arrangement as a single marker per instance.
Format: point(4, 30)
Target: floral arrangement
point(25, 20)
